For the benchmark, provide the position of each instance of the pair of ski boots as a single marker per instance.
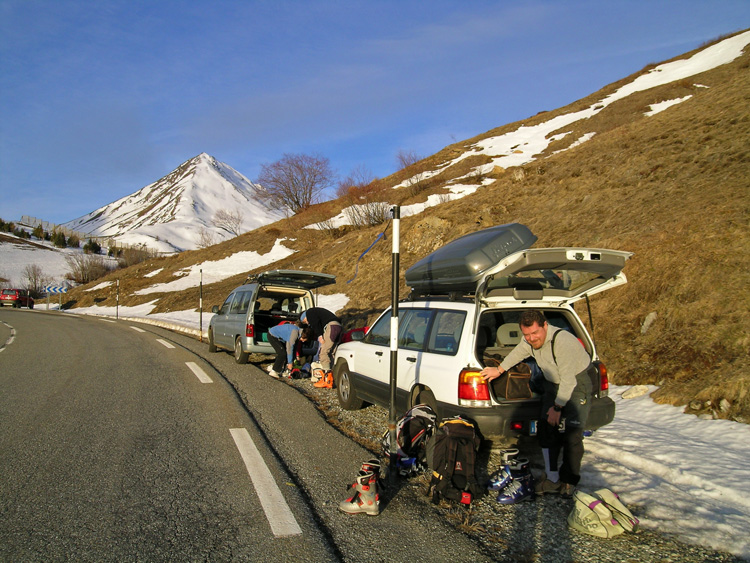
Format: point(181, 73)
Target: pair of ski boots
point(320, 378)
point(513, 481)
point(364, 493)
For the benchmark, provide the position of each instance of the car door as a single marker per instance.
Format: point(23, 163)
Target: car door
point(372, 360)
point(221, 323)
point(414, 326)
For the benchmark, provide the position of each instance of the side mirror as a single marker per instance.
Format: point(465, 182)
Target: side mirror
point(358, 335)
point(215, 309)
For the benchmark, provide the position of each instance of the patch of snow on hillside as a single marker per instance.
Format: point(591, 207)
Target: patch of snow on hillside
point(521, 146)
point(100, 286)
point(218, 270)
point(661, 106)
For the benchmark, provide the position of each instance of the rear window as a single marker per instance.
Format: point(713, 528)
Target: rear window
point(9, 292)
point(566, 280)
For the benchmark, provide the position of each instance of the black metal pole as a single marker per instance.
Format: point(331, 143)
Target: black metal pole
point(394, 342)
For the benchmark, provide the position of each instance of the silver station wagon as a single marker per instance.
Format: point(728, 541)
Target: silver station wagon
point(241, 323)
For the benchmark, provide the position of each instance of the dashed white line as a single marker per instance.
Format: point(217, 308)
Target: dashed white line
point(139, 329)
point(11, 338)
point(199, 373)
point(164, 343)
point(277, 511)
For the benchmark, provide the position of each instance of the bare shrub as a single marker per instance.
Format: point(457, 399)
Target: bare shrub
point(358, 179)
point(296, 181)
point(206, 238)
point(229, 221)
point(368, 214)
point(35, 278)
point(408, 160)
point(85, 268)
point(135, 255)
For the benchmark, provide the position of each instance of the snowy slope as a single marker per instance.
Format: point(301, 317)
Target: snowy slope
point(170, 214)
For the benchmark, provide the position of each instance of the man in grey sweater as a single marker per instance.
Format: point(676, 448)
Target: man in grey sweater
point(566, 401)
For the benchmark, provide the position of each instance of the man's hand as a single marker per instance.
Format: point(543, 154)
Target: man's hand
point(490, 373)
point(553, 416)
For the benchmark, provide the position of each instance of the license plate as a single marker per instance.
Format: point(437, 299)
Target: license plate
point(532, 428)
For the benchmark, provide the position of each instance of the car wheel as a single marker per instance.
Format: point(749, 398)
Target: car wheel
point(31, 305)
point(345, 390)
point(211, 344)
point(426, 397)
point(240, 356)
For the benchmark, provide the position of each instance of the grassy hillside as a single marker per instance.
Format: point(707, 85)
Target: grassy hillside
point(672, 188)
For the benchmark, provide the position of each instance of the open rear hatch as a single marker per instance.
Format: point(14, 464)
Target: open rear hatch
point(294, 278)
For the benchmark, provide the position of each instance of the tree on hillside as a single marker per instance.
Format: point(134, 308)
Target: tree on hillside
point(35, 278)
point(409, 158)
point(362, 194)
point(229, 221)
point(358, 178)
point(296, 181)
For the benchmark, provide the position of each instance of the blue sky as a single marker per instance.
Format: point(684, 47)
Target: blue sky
point(100, 98)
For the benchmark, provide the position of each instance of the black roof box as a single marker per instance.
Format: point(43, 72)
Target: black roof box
point(460, 265)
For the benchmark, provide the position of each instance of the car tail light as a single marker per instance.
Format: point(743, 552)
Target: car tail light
point(603, 380)
point(249, 331)
point(473, 391)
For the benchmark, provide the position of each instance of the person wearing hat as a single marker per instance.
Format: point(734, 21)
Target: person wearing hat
point(326, 327)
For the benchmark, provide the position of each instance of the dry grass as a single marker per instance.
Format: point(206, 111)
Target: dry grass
point(672, 188)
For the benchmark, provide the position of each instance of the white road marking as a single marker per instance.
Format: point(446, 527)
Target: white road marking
point(11, 338)
point(199, 373)
point(277, 511)
point(164, 343)
point(139, 329)
point(108, 320)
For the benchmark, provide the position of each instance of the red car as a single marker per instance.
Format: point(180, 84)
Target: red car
point(16, 298)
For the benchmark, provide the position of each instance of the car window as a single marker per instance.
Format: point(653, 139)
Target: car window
point(446, 332)
point(413, 328)
point(241, 303)
point(225, 306)
point(380, 333)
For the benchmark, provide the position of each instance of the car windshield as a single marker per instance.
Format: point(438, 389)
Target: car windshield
point(9, 292)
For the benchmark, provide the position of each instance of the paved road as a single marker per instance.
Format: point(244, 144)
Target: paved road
point(115, 447)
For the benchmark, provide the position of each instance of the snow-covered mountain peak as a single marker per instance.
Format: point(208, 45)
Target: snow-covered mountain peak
point(173, 213)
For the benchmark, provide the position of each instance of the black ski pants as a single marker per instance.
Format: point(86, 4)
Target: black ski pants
point(568, 437)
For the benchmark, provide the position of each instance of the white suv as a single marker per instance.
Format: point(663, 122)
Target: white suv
point(465, 301)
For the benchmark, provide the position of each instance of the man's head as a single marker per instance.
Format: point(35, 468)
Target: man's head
point(534, 328)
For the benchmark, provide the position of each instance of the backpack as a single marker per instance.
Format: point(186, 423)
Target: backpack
point(413, 430)
point(451, 454)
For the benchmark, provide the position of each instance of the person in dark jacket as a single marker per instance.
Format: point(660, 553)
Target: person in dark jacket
point(327, 329)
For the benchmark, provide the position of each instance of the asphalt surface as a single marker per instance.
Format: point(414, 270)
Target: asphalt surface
point(113, 449)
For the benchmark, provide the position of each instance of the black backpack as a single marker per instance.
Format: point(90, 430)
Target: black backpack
point(451, 454)
point(413, 430)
